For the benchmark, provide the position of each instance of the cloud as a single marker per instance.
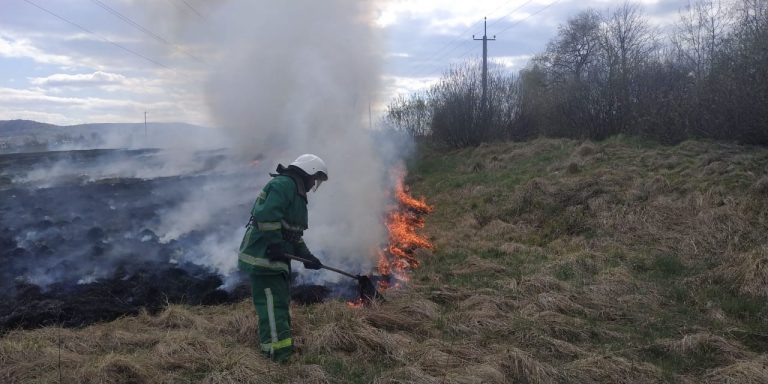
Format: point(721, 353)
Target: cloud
point(30, 104)
point(402, 85)
point(23, 48)
point(97, 79)
point(71, 67)
point(42, 100)
point(512, 63)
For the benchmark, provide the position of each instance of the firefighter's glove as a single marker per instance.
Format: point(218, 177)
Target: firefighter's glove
point(275, 253)
point(312, 262)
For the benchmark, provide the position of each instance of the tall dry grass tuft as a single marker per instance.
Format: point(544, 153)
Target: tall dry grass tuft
point(113, 368)
point(407, 375)
point(536, 284)
point(405, 313)
point(746, 273)
point(338, 328)
point(706, 343)
point(752, 371)
point(521, 366)
point(479, 267)
point(308, 374)
point(612, 369)
point(437, 357)
point(175, 317)
point(557, 325)
point(761, 186)
point(179, 344)
point(586, 149)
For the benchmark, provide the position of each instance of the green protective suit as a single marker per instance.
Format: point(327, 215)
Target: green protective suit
point(279, 215)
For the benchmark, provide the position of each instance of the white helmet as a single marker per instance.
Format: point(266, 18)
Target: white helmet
point(313, 166)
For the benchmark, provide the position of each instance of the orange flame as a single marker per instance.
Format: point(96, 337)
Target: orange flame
point(402, 222)
point(398, 258)
point(355, 304)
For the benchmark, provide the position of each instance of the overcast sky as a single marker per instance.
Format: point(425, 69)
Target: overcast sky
point(57, 72)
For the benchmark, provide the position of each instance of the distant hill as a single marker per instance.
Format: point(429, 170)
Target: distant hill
point(25, 127)
point(29, 135)
point(16, 127)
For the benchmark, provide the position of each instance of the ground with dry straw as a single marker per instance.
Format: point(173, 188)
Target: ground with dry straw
point(555, 261)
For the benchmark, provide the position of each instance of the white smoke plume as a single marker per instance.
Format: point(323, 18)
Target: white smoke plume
point(293, 77)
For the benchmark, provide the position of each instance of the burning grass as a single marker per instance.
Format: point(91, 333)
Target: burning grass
point(646, 265)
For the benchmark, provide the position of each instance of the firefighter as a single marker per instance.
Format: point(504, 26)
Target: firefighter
point(278, 220)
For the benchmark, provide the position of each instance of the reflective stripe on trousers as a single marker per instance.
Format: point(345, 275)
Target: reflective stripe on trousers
point(271, 347)
point(264, 263)
point(275, 344)
point(271, 298)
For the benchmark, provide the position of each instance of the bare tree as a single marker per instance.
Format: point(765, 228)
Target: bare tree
point(576, 46)
point(410, 114)
point(604, 74)
point(699, 35)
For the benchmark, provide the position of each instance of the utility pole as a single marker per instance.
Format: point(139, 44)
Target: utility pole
point(485, 40)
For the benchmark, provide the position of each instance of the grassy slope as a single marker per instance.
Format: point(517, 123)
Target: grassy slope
point(555, 261)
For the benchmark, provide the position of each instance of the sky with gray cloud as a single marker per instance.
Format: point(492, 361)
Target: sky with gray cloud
point(84, 61)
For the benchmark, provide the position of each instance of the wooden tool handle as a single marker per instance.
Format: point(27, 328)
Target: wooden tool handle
point(288, 255)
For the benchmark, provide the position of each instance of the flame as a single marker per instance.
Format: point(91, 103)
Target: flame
point(403, 219)
point(419, 205)
point(356, 304)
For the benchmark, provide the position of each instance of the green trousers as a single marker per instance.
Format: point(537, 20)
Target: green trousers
point(271, 297)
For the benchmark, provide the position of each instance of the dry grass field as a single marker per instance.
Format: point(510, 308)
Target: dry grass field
point(555, 261)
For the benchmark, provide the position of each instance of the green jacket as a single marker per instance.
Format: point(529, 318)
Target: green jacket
point(280, 207)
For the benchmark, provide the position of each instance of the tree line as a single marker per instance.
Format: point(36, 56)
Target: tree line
point(612, 72)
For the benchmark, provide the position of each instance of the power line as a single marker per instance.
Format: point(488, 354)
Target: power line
point(193, 9)
point(97, 35)
point(458, 41)
point(419, 68)
point(515, 24)
point(510, 13)
point(441, 56)
point(131, 22)
point(142, 29)
point(528, 17)
point(179, 7)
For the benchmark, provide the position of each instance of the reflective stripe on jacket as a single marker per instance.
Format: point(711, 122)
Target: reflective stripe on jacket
point(278, 207)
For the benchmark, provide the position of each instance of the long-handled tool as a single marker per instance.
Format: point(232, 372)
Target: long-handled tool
point(367, 290)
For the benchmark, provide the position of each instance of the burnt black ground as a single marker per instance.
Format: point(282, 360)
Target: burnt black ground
point(76, 245)
point(69, 305)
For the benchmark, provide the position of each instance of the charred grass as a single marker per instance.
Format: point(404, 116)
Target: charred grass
point(555, 261)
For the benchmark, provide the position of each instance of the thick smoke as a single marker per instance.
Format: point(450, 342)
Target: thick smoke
point(282, 79)
point(294, 77)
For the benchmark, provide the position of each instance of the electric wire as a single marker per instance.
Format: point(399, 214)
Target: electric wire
point(509, 14)
point(438, 56)
point(193, 9)
point(519, 22)
point(131, 22)
point(177, 6)
point(458, 39)
point(143, 29)
point(30, 2)
point(529, 16)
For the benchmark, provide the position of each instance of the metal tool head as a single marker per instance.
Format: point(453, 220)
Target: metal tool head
point(368, 292)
